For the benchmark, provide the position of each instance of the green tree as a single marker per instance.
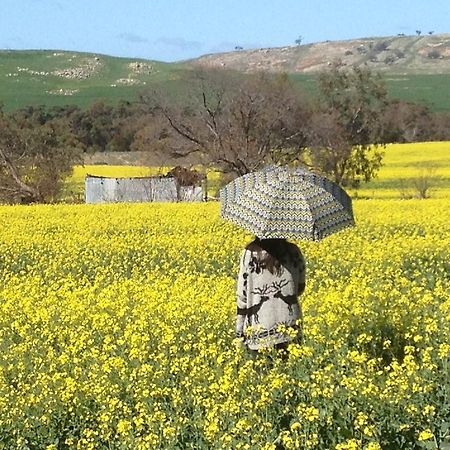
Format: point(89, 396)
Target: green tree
point(346, 132)
point(34, 159)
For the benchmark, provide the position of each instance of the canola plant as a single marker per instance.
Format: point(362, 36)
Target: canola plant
point(117, 332)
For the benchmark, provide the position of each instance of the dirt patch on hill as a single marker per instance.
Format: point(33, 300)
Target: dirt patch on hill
point(400, 54)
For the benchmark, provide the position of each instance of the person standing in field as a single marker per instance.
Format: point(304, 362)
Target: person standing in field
point(271, 279)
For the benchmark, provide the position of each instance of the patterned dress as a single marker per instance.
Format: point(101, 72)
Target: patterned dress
point(267, 303)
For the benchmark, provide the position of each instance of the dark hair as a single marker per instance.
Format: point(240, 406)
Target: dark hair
point(275, 250)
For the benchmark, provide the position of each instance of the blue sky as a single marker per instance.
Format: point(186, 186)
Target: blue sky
point(171, 30)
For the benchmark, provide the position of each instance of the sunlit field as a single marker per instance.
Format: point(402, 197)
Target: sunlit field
point(117, 331)
point(404, 165)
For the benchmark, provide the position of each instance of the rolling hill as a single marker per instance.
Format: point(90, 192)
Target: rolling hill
point(415, 68)
point(400, 55)
point(51, 77)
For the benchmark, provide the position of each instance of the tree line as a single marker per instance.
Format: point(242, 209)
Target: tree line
point(232, 122)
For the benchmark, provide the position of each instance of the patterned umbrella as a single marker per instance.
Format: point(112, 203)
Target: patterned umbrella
point(280, 202)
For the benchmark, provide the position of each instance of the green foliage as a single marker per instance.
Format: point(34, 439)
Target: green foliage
point(35, 158)
point(348, 126)
point(359, 98)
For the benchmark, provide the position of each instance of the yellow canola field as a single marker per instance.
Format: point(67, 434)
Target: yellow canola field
point(404, 167)
point(117, 332)
point(410, 164)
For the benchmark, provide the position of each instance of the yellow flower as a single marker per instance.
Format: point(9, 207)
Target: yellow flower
point(373, 446)
point(444, 350)
point(425, 435)
point(351, 444)
point(429, 410)
point(169, 431)
point(312, 413)
point(269, 446)
point(361, 420)
point(124, 426)
point(123, 316)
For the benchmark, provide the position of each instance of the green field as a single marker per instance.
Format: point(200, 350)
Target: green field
point(28, 78)
point(433, 90)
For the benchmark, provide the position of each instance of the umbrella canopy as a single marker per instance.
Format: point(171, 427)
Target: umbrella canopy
point(287, 203)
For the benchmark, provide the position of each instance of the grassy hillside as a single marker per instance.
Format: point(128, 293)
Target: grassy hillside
point(60, 78)
point(432, 90)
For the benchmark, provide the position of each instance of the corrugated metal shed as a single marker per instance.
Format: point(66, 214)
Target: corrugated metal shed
point(139, 189)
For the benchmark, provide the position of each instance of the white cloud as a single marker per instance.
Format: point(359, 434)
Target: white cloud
point(131, 37)
point(179, 43)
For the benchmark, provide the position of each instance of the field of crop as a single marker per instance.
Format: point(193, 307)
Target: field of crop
point(404, 166)
point(429, 89)
point(117, 327)
point(117, 332)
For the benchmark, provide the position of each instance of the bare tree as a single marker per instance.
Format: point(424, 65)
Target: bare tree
point(408, 122)
point(236, 123)
point(154, 140)
point(329, 148)
point(421, 184)
point(425, 181)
